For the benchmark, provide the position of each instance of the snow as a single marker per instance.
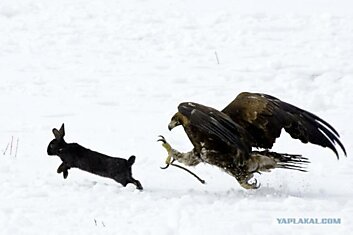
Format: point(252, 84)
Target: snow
point(114, 73)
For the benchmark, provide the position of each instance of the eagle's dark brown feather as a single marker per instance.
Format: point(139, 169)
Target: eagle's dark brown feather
point(213, 129)
point(264, 116)
point(225, 138)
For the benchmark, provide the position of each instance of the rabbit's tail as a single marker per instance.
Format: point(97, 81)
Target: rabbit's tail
point(131, 160)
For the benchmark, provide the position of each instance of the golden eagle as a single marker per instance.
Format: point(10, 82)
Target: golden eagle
point(252, 120)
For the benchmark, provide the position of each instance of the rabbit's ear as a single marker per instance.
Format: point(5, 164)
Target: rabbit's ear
point(62, 130)
point(59, 134)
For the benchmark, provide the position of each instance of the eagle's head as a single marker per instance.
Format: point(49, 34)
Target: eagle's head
point(177, 119)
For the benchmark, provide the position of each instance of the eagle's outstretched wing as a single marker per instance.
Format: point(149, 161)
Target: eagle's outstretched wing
point(264, 116)
point(212, 128)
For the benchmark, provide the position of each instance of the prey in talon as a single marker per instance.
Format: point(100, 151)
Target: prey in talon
point(227, 138)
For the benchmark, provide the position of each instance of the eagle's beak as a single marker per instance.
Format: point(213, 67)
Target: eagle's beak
point(173, 124)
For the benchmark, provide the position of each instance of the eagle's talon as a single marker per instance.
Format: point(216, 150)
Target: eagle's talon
point(162, 139)
point(164, 167)
point(165, 144)
point(167, 164)
point(255, 182)
point(248, 185)
point(254, 185)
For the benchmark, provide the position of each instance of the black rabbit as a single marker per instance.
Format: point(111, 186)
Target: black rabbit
point(74, 155)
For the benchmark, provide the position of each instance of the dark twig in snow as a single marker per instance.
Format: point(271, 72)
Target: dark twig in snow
point(7, 146)
point(11, 145)
point(18, 140)
point(216, 57)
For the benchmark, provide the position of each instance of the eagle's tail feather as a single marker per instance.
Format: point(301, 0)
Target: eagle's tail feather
point(266, 160)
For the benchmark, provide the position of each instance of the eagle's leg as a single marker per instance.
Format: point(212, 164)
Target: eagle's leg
point(244, 182)
point(188, 159)
point(167, 147)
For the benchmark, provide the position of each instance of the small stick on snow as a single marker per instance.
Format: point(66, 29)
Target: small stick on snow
point(18, 140)
point(216, 57)
point(7, 146)
point(11, 146)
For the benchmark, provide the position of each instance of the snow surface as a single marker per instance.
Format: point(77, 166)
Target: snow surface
point(114, 72)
